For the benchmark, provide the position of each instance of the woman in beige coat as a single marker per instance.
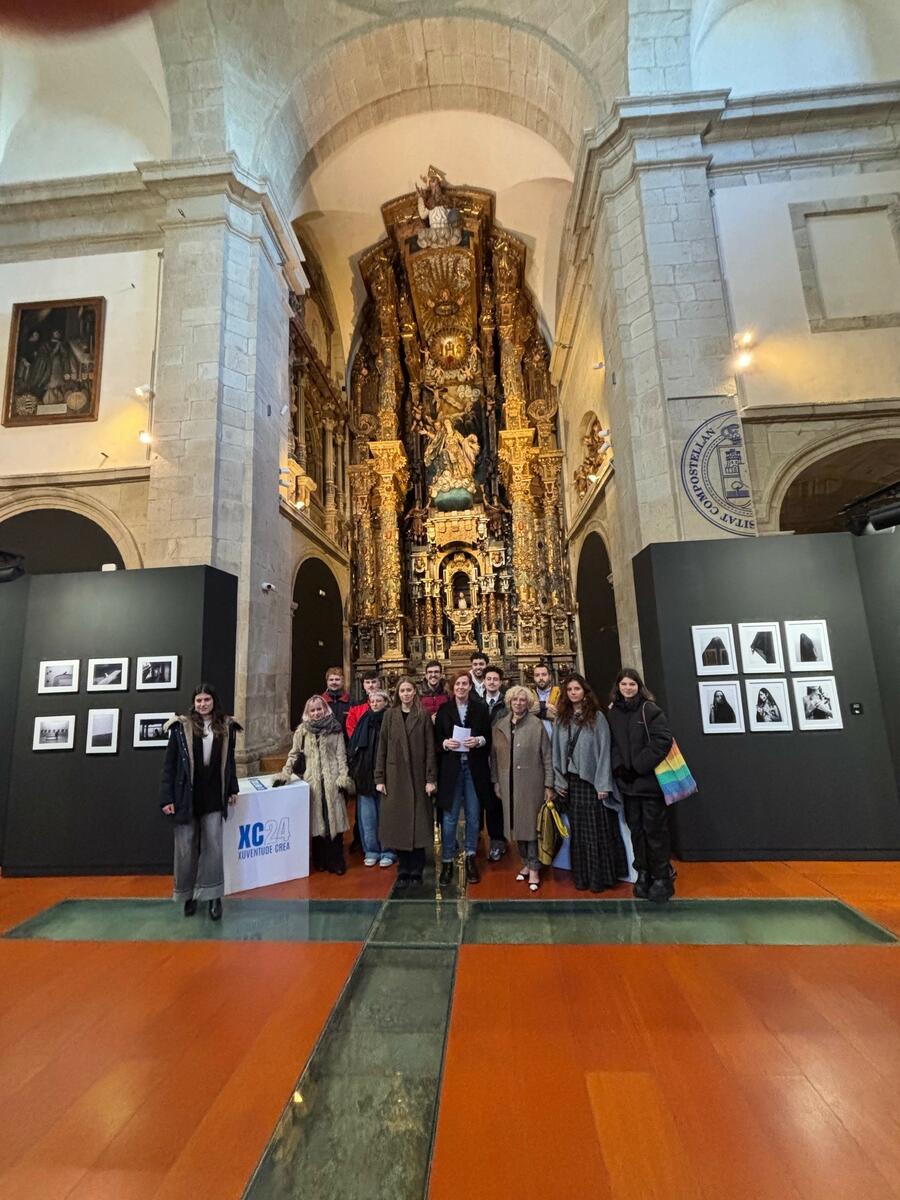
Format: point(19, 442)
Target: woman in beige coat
point(522, 775)
point(318, 752)
point(406, 775)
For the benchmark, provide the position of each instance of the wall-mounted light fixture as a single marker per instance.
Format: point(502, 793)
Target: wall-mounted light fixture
point(145, 437)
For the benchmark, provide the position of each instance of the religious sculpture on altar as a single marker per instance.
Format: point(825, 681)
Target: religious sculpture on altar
point(454, 420)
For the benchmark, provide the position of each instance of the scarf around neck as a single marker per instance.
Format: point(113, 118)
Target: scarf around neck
point(328, 724)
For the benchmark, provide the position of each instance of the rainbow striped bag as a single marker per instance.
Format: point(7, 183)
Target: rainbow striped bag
point(673, 774)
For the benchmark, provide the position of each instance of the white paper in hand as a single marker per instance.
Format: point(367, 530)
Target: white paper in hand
point(461, 735)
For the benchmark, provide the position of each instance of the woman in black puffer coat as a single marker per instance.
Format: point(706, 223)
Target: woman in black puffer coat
point(640, 741)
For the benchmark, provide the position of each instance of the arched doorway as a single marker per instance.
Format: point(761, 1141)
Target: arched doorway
point(597, 615)
point(816, 497)
point(318, 632)
point(53, 540)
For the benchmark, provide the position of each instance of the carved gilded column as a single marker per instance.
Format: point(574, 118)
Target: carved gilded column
point(516, 454)
point(361, 483)
point(329, 496)
point(549, 465)
point(392, 474)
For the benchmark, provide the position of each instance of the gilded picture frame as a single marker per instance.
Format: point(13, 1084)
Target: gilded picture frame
point(55, 359)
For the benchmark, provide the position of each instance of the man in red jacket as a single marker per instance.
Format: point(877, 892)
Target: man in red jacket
point(371, 683)
point(434, 690)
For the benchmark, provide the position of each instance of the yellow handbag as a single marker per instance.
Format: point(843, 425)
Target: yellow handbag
point(551, 830)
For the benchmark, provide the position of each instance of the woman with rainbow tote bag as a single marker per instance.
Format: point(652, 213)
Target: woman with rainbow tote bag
point(651, 774)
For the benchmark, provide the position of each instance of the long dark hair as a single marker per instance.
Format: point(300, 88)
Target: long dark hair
point(644, 692)
point(565, 709)
point(219, 716)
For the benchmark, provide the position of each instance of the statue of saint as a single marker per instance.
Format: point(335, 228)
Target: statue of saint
point(440, 222)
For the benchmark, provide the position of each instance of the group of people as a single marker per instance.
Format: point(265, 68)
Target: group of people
point(465, 752)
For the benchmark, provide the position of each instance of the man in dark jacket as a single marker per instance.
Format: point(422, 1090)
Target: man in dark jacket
point(495, 700)
point(336, 697)
point(464, 773)
point(433, 690)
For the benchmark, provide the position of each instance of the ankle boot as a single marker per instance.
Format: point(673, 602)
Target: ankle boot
point(641, 889)
point(215, 910)
point(190, 907)
point(663, 889)
point(446, 874)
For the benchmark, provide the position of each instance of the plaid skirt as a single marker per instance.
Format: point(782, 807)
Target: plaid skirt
point(598, 854)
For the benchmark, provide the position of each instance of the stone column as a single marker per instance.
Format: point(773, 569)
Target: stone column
point(222, 382)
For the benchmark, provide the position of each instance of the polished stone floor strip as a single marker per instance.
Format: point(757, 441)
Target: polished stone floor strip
point(361, 1120)
point(410, 919)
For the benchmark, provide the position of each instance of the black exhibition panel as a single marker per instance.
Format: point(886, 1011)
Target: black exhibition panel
point(13, 605)
point(69, 812)
point(878, 559)
point(801, 794)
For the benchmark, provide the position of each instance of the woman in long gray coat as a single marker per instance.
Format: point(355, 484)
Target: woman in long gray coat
point(406, 775)
point(522, 775)
point(583, 779)
point(317, 752)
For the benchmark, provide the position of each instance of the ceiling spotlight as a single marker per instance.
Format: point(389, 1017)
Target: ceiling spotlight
point(145, 391)
point(743, 361)
point(145, 437)
point(744, 340)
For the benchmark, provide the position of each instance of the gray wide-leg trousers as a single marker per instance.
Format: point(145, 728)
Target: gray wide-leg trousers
point(199, 869)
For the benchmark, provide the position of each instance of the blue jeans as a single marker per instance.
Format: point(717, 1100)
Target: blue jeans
point(466, 799)
point(367, 819)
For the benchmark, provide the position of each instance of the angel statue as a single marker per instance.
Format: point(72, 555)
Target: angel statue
point(441, 223)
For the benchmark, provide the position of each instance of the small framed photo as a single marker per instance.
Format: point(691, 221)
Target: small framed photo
point(768, 706)
point(107, 675)
point(714, 649)
point(720, 706)
point(817, 702)
point(807, 645)
point(156, 672)
point(102, 731)
point(150, 728)
point(54, 733)
point(760, 643)
point(58, 675)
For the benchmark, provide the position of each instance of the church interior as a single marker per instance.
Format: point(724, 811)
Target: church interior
point(348, 337)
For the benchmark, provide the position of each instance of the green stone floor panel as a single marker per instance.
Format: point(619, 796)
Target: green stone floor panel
point(680, 922)
point(421, 922)
point(242, 921)
point(360, 1123)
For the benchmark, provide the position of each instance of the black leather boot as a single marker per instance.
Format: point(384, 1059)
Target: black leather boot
point(215, 910)
point(472, 873)
point(446, 874)
point(190, 907)
point(663, 889)
point(641, 887)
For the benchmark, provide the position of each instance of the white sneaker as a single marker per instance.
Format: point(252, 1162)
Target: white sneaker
point(386, 861)
point(371, 860)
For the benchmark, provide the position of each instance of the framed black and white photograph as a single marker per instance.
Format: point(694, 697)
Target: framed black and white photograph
point(721, 708)
point(58, 675)
point(817, 703)
point(714, 649)
point(54, 733)
point(107, 675)
point(760, 643)
point(807, 645)
point(768, 706)
point(102, 731)
point(150, 728)
point(156, 672)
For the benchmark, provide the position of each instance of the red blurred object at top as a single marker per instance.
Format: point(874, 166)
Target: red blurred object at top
point(63, 16)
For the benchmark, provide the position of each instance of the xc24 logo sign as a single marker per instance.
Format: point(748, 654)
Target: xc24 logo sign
point(264, 837)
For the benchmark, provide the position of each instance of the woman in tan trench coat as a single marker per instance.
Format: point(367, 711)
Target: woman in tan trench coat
point(406, 775)
point(522, 775)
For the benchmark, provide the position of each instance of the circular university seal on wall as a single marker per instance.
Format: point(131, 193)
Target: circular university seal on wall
point(714, 475)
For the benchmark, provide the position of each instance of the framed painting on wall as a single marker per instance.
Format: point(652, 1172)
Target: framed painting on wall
point(768, 706)
point(760, 643)
point(817, 702)
point(714, 649)
point(808, 645)
point(55, 355)
point(721, 710)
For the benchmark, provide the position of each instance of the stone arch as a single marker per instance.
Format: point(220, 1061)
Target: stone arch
point(317, 629)
point(768, 501)
point(195, 82)
point(474, 63)
point(85, 506)
point(815, 497)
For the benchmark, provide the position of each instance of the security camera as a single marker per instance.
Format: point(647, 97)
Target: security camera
point(267, 587)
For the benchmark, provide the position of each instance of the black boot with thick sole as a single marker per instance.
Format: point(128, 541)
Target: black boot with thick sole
point(641, 889)
point(663, 889)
